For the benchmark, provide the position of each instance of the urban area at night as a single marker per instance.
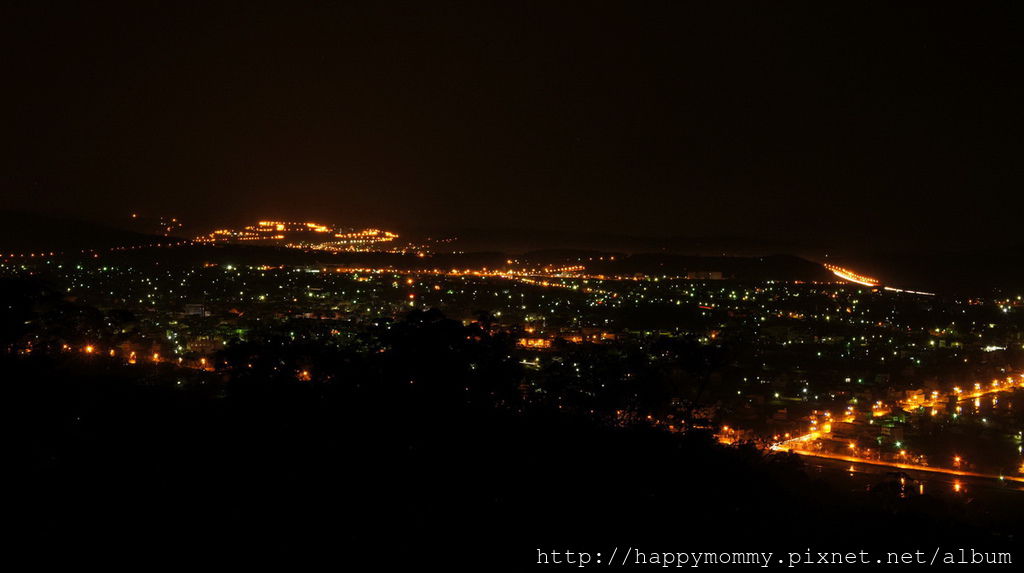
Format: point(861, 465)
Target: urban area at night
point(501, 286)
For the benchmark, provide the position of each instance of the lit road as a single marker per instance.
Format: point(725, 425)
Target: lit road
point(850, 276)
point(995, 388)
point(784, 448)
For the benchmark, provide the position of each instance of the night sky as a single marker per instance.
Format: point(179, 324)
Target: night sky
point(844, 123)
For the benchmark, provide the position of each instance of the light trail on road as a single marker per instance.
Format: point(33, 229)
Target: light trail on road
point(848, 275)
point(914, 467)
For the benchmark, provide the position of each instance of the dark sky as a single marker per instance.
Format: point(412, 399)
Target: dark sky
point(849, 123)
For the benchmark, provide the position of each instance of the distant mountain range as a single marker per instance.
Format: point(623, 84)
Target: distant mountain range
point(28, 232)
point(520, 241)
point(975, 272)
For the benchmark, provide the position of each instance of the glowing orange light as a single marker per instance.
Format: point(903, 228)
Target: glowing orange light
point(851, 276)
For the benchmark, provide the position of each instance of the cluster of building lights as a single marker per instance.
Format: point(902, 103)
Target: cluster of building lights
point(302, 235)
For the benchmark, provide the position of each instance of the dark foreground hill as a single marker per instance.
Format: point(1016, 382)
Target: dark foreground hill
point(147, 465)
